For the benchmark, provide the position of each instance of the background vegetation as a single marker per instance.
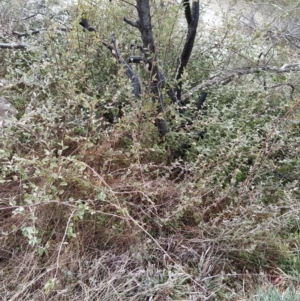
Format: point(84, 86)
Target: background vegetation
point(95, 205)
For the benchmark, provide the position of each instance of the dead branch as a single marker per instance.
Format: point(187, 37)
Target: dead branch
point(13, 46)
point(221, 80)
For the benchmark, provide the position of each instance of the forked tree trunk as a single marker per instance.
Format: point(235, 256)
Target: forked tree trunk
point(149, 56)
point(156, 79)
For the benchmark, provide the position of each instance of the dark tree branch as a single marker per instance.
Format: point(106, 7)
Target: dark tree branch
point(134, 24)
point(195, 11)
point(187, 11)
point(128, 70)
point(27, 18)
point(282, 85)
point(192, 18)
point(201, 100)
point(13, 46)
point(291, 40)
point(36, 31)
point(85, 24)
point(136, 59)
point(145, 26)
point(25, 34)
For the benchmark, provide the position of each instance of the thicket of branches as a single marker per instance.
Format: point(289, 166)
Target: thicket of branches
point(153, 157)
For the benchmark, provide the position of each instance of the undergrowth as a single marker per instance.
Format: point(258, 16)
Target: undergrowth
point(95, 205)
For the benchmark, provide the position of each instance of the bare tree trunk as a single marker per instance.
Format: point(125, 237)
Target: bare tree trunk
point(156, 78)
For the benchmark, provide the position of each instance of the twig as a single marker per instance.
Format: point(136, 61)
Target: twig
point(63, 242)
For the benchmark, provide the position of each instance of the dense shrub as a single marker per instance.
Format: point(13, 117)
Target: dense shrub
point(95, 205)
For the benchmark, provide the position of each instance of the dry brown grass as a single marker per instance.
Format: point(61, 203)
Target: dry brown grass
point(142, 240)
